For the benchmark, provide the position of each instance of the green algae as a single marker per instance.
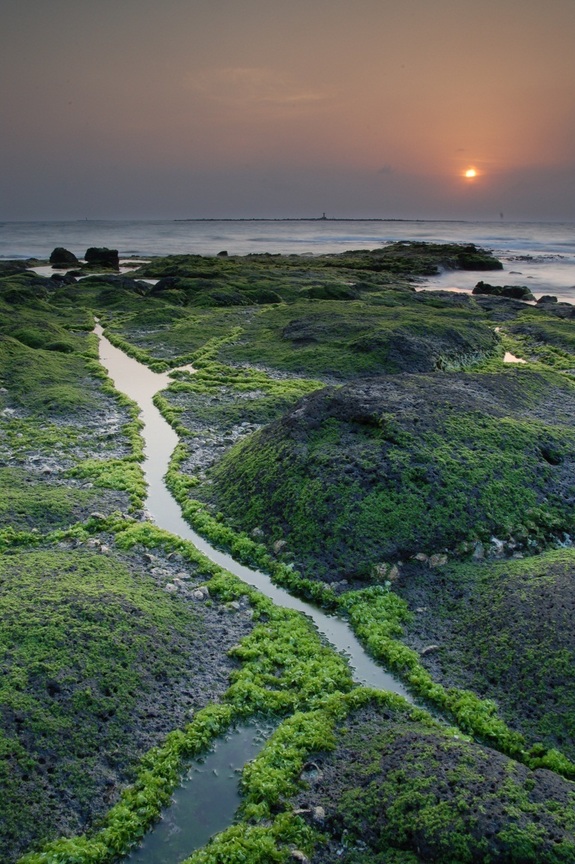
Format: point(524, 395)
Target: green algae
point(283, 667)
point(354, 480)
point(29, 502)
point(276, 674)
point(82, 641)
point(522, 651)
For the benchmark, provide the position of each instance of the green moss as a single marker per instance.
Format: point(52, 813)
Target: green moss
point(325, 339)
point(393, 784)
point(283, 666)
point(123, 475)
point(219, 398)
point(303, 326)
point(523, 647)
point(81, 640)
point(27, 502)
point(46, 381)
point(354, 479)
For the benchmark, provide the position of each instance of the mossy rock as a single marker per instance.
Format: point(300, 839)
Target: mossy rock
point(506, 630)
point(331, 292)
point(12, 268)
point(47, 381)
point(516, 292)
point(399, 790)
point(33, 501)
point(49, 337)
point(99, 664)
point(388, 467)
point(401, 333)
point(420, 258)
point(546, 335)
point(213, 290)
point(24, 288)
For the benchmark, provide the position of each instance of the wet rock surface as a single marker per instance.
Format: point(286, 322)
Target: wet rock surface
point(349, 476)
point(505, 630)
point(37, 459)
point(71, 780)
point(393, 784)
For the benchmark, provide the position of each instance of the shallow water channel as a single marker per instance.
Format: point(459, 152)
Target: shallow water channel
point(141, 384)
point(206, 801)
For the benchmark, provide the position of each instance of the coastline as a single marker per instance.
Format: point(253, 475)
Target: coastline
point(315, 440)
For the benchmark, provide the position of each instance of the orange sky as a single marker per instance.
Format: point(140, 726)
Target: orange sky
point(136, 108)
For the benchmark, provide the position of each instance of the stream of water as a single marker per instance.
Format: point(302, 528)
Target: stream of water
point(207, 799)
point(141, 384)
point(184, 826)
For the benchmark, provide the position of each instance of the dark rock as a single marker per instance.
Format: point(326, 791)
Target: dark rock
point(167, 283)
point(61, 257)
point(547, 298)
point(515, 292)
point(472, 258)
point(222, 254)
point(63, 279)
point(11, 268)
point(561, 310)
point(124, 283)
point(102, 257)
point(429, 649)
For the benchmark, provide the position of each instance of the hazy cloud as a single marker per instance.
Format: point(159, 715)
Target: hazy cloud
point(214, 108)
point(253, 87)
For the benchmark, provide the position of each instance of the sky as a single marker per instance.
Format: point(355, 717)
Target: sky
point(141, 109)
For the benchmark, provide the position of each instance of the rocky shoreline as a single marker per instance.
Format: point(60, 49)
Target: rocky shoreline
point(364, 437)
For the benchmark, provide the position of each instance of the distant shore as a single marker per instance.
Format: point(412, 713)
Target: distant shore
point(295, 219)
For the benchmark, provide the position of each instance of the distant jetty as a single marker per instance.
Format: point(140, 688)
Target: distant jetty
point(323, 218)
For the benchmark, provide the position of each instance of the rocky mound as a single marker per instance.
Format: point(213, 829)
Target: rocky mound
point(402, 791)
point(522, 651)
point(103, 654)
point(397, 331)
point(389, 467)
point(516, 292)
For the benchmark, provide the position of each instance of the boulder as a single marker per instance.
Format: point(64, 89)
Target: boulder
point(472, 258)
point(515, 292)
point(437, 560)
point(62, 279)
point(102, 257)
point(61, 257)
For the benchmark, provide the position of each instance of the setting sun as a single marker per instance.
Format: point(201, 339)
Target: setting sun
point(471, 173)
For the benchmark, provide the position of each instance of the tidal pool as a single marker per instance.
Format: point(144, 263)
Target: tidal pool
point(206, 802)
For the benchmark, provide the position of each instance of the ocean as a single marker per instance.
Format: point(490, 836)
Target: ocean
point(540, 255)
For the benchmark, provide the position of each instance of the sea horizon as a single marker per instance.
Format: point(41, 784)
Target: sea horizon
point(416, 219)
point(538, 254)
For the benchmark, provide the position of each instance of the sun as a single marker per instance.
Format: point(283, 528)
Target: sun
point(470, 173)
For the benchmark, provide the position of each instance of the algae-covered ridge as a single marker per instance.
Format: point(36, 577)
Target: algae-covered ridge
point(365, 444)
